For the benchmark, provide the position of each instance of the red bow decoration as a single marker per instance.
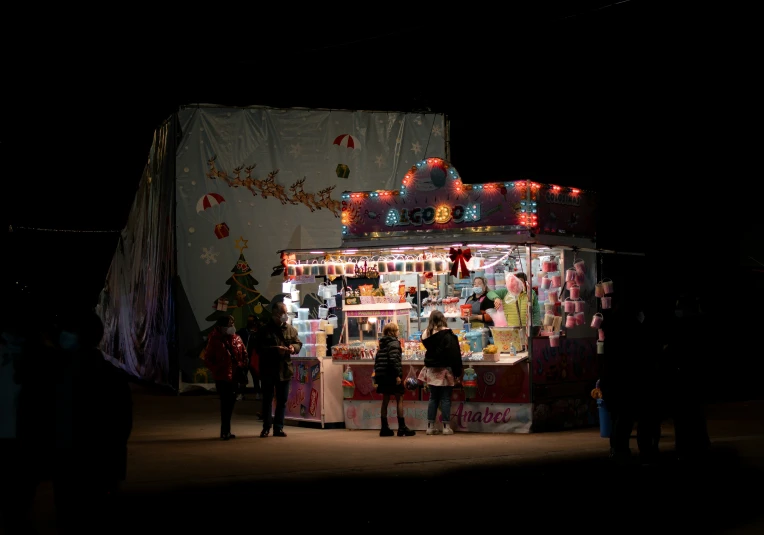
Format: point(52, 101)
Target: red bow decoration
point(460, 259)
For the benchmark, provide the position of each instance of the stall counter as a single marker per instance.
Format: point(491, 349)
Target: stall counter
point(501, 402)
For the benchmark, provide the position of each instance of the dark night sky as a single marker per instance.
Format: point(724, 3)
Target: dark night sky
point(602, 99)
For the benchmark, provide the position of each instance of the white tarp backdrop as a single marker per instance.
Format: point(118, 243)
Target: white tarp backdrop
point(245, 183)
point(270, 179)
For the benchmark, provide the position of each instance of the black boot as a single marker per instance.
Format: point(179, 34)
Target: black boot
point(385, 431)
point(404, 431)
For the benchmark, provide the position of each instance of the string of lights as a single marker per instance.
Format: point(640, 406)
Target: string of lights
point(13, 228)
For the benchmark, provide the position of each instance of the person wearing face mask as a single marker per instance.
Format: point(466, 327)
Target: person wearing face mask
point(479, 318)
point(226, 358)
point(275, 342)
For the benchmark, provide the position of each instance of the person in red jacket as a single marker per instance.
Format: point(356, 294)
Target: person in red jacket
point(226, 358)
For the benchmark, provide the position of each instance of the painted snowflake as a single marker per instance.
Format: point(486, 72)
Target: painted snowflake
point(209, 255)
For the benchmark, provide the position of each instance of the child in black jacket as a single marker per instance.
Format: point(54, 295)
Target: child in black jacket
point(388, 372)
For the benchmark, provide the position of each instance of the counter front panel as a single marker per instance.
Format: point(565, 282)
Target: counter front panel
point(563, 378)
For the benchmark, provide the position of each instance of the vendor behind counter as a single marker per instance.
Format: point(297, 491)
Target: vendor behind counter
point(480, 302)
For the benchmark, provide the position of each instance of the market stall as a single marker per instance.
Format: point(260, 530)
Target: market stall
point(534, 368)
point(315, 394)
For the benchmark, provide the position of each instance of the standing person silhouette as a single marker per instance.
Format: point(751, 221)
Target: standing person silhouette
point(16, 334)
point(77, 434)
point(388, 373)
point(688, 356)
point(631, 377)
point(275, 343)
point(226, 358)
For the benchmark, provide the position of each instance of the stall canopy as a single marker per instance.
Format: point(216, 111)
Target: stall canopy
point(433, 206)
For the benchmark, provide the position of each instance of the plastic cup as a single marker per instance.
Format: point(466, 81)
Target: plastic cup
point(554, 340)
point(599, 290)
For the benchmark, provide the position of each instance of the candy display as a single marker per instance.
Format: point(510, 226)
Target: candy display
point(491, 353)
point(413, 350)
point(451, 305)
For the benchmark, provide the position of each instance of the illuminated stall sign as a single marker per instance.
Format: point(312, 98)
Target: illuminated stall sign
point(432, 196)
point(430, 215)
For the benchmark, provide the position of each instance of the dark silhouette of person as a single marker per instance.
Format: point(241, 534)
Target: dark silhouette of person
point(687, 354)
point(16, 333)
point(225, 356)
point(276, 342)
point(82, 428)
point(631, 376)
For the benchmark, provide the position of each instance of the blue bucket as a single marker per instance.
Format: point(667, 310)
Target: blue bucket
point(605, 420)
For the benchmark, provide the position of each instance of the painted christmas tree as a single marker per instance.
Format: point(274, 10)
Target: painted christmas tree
point(242, 297)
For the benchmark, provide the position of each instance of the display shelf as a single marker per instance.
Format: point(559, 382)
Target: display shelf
point(387, 311)
point(376, 309)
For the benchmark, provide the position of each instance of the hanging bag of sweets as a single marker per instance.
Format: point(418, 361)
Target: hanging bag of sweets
point(348, 385)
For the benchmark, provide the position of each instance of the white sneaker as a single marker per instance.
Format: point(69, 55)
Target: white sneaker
point(447, 429)
point(432, 430)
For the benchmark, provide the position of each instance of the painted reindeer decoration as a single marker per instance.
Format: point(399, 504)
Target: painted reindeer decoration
point(270, 188)
point(299, 195)
point(248, 181)
point(325, 200)
point(214, 173)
